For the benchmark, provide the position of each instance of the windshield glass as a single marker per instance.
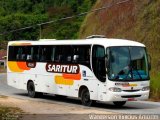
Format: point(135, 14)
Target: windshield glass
point(127, 63)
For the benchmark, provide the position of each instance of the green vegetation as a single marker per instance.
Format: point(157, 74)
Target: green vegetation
point(155, 87)
point(135, 20)
point(10, 113)
point(15, 14)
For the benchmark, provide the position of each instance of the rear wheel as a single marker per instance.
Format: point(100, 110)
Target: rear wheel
point(119, 103)
point(31, 91)
point(85, 98)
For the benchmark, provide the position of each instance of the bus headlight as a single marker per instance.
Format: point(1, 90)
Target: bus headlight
point(115, 89)
point(145, 88)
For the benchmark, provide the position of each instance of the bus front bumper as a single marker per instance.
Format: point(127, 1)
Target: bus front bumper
point(126, 96)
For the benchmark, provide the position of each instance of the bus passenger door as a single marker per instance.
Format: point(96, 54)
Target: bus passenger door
point(101, 75)
point(99, 69)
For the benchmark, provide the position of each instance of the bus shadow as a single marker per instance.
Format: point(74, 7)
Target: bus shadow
point(63, 99)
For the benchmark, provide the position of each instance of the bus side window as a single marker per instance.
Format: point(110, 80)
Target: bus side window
point(20, 53)
point(35, 53)
point(42, 54)
point(49, 54)
point(63, 54)
point(67, 53)
point(23, 55)
point(75, 54)
point(58, 53)
point(82, 55)
point(29, 53)
point(53, 53)
point(12, 53)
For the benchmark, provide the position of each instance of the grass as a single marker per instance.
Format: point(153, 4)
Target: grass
point(2, 96)
point(155, 87)
point(10, 113)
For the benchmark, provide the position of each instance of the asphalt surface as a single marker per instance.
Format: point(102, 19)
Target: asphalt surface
point(138, 107)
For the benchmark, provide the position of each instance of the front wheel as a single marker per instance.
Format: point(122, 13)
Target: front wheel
point(119, 103)
point(85, 98)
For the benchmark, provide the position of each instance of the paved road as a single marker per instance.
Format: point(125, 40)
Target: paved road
point(138, 107)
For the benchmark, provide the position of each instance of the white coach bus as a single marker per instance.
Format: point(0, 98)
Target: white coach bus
point(93, 69)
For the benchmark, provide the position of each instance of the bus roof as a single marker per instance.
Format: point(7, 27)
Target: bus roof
point(106, 42)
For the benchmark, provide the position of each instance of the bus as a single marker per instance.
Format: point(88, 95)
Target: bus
point(91, 69)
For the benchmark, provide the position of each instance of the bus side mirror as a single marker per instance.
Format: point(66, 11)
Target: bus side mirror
point(149, 66)
point(149, 62)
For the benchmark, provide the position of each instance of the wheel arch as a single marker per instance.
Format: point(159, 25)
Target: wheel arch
point(81, 88)
point(29, 82)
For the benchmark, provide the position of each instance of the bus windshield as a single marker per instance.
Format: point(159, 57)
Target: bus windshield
point(127, 63)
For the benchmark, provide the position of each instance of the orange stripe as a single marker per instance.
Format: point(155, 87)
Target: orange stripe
point(24, 44)
point(72, 76)
point(23, 65)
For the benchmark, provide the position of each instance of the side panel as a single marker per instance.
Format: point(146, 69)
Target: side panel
point(49, 82)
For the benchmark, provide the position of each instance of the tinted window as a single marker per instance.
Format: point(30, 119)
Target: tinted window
point(17, 53)
point(98, 62)
point(63, 54)
point(81, 54)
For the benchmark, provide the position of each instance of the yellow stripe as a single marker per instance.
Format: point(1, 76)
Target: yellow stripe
point(14, 67)
point(132, 85)
point(62, 81)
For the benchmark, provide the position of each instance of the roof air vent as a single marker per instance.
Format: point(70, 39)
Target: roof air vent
point(96, 36)
point(46, 39)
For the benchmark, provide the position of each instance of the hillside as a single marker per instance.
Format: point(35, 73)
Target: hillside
point(135, 20)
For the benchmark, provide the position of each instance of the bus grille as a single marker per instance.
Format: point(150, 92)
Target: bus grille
point(130, 96)
point(131, 90)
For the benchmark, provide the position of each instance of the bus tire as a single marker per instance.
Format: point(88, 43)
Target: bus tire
point(31, 91)
point(85, 98)
point(119, 103)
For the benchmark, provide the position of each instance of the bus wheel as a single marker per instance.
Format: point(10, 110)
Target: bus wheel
point(85, 98)
point(31, 91)
point(119, 103)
